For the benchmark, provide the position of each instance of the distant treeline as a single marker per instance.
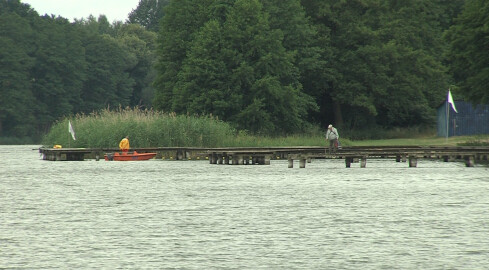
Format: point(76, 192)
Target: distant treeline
point(263, 66)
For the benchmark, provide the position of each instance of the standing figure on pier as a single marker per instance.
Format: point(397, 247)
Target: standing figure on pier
point(124, 144)
point(332, 136)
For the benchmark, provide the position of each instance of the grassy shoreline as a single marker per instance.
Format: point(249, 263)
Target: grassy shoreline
point(476, 140)
point(147, 128)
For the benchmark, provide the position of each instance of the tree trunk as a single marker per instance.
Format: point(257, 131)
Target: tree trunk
point(338, 117)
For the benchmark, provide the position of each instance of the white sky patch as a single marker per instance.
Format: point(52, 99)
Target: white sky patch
point(114, 10)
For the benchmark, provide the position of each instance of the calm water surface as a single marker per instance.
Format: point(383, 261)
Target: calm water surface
point(193, 215)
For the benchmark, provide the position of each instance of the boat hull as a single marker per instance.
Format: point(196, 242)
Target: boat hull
point(131, 156)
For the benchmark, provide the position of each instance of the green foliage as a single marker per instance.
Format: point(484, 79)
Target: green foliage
point(468, 55)
point(265, 67)
point(148, 14)
point(50, 68)
point(233, 66)
point(16, 61)
point(386, 65)
point(146, 128)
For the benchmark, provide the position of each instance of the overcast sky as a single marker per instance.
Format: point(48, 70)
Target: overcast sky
point(115, 10)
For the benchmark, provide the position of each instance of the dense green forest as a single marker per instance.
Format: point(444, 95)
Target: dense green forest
point(264, 66)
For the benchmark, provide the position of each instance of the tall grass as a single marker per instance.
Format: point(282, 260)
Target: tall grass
point(145, 128)
point(148, 128)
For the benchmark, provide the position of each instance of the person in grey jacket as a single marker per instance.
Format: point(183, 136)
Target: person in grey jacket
point(332, 136)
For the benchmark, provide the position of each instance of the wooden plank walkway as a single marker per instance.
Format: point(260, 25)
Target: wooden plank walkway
point(263, 155)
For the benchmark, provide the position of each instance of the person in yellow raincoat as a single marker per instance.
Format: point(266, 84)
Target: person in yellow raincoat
point(124, 144)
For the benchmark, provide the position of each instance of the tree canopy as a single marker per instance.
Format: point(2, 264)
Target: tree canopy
point(469, 51)
point(265, 66)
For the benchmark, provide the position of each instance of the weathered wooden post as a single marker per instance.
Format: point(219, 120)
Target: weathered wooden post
point(180, 155)
point(363, 162)
point(398, 158)
point(302, 162)
point(219, 159)
point(413, 161)
point(348, 161)
point(266, 159)
point(469, 161)
point(291, 163)
point(226, 159)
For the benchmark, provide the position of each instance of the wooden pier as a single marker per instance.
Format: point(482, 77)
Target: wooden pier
point(263, 156)
point(411, 155)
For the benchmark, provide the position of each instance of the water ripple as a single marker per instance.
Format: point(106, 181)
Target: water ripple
point(193, 215)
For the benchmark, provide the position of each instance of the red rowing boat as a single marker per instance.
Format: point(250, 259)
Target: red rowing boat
point(129, 156)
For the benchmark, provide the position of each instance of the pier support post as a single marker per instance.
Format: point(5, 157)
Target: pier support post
point(180, 155)
point(267, 159)
point(291, 163)
point(240, 160)
point(413, 162)
point(219, 159)
point(363, 162)
point(302, 162)
point(226, 159)
point(469, 161)
point(348, 161)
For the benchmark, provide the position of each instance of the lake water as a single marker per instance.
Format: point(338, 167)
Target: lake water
point(193, 215)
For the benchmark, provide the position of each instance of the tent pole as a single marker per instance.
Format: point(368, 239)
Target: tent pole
point(447, 114)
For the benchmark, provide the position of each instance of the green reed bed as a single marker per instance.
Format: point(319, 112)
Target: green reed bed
point(145, 129)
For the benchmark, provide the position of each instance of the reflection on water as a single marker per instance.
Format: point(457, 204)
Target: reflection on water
point(192, 215)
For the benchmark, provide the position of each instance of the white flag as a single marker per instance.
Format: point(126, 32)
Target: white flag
point(71, 130)
point(450, 100)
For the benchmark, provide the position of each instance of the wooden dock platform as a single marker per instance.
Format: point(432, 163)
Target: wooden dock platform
point(263, 155)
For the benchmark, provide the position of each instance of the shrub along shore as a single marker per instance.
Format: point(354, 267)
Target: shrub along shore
point(148, 128)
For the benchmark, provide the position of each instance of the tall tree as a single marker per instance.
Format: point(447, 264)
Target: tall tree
point(469, 53)
point(148, 13)
point(181, 21)
point(108, 82)
point(236, 67)
point(385, 65)
point(59, 70)
point(142, 44)
point(301, 38)
point(16, 102)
